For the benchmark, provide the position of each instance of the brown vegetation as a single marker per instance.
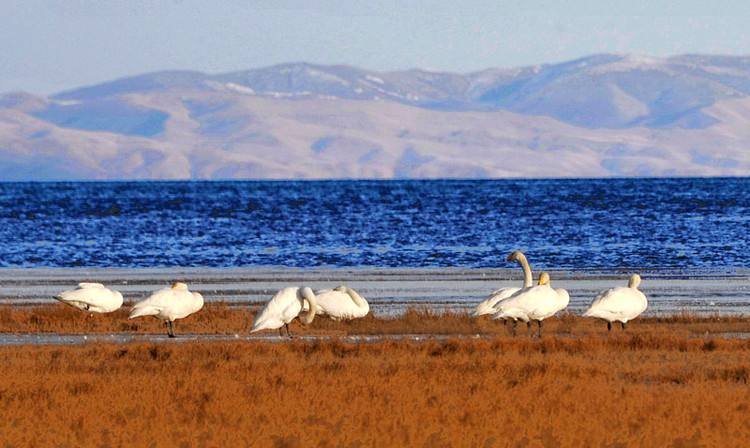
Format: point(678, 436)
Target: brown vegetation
point(219, 318)
point(640, 389)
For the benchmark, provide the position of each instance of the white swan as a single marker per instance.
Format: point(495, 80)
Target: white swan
point(169, 304)
point(92, 297)
point(489, 306)
point(619, 304)
point(341, 303)
point(284, 307)
point(533, 304)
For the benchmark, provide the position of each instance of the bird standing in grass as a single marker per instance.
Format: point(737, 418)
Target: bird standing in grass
point(534, 304)
point(490, 305)
point(284, 307)
point(169, 304)
point(620, 304)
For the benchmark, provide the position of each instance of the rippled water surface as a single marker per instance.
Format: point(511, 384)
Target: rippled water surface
point(692, 224)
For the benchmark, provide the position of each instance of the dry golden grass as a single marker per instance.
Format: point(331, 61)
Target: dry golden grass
point(625, 390)
point(223, 319)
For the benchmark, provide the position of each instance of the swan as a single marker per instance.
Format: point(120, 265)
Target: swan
point(284, 307)
point(169, 304)
point(533, 304)
point(92, 297)
point(489, 306)
point(341, 303)
point(619, 304)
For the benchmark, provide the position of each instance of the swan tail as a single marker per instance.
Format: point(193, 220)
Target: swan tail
point(597, 314)
point(483, 309)
point(265, 324)
point(143, 311)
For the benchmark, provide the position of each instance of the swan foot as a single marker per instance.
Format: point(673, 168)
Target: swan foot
point(288, 333)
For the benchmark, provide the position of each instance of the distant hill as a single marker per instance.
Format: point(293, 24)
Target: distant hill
point(603, 115)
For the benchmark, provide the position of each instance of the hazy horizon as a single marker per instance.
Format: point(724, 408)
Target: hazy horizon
point(45, 44)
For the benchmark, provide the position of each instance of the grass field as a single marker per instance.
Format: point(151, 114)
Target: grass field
point(672, 381)
point(626, 389)
point(222, 319)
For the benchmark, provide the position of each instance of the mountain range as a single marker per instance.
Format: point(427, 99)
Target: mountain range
point(598, 116)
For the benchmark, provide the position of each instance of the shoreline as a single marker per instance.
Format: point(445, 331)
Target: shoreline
point(223, 321)
point(391, 291)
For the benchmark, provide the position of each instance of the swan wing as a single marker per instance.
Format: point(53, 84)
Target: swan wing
point(153, 305)
point(620, 304)
point(92, 298)
point(90, 285)
point(545, 302)
point(339, 305)
point(277, 310)
point(182, 304)
point(489, 305)
point(537, 302)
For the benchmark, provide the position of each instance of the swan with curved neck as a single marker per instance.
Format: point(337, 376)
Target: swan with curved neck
point(490, 304)
point(534, 304)
point(341, 303)
point(520, 258)
point(288, 304)
point(620, 304)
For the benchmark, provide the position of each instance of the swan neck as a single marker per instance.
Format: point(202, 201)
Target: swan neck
point(308, 317)
point(528, 280)
point(356, 298)
point(634, 282)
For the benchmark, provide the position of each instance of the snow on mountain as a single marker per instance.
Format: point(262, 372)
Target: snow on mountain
point(601, 115)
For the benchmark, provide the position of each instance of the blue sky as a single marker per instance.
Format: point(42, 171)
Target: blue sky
point(48, 46)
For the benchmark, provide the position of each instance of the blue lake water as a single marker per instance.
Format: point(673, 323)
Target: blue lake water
point(565, 224)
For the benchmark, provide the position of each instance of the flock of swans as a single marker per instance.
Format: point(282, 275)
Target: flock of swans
point(529, 303)
point(537, 302)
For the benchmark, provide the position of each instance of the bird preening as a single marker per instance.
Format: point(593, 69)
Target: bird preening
point(531, 303)
point(168, 305)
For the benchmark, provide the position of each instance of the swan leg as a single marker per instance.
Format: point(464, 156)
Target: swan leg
point(539, 334)
point(170, 329)
point(281, 331)
point(623, 325)
point(609, 326)
point(513, 328)
point(528, 328)
point(288, 333)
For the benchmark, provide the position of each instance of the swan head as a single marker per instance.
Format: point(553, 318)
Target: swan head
point(515, 256)
point(544, 278)
point(179, 285)
point(341, 288)
point(634, 281)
